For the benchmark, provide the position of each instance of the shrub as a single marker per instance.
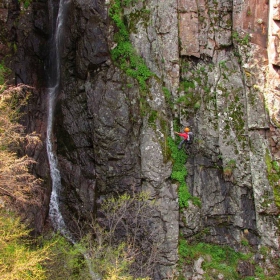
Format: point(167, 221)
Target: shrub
point(18, 259)
point(66, 261)
point(179, 174)
point(124, 53)
point(124, 242)
point(220, 259)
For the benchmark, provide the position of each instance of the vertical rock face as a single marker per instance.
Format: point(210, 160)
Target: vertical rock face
point(212, 57)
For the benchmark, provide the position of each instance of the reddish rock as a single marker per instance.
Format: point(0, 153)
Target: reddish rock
point(188, 32)
point(187, 6)
point(275, 42)
point(276, 12)
point(251, 17)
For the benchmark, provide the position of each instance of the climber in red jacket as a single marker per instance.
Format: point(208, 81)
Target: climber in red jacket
point(185, 135)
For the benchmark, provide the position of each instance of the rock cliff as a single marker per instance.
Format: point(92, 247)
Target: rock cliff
point(215, 68)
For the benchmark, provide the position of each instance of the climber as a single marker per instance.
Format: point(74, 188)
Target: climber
point(187, 137)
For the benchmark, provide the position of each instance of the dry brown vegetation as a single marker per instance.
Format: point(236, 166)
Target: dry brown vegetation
point(18, 186)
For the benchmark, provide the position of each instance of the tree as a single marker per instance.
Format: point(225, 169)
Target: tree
point(18, 187)
point(124, 241)
point(17, 258)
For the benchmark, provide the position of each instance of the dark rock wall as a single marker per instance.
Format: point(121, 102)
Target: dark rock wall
point(97, 121)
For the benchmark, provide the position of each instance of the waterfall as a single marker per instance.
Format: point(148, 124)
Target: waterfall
point(54, 82)
point(54, 212)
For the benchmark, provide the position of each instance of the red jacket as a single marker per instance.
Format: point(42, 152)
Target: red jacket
point(185, 135)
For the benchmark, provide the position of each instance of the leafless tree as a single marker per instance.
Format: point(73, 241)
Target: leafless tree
point(18, 186)
point(127, 226)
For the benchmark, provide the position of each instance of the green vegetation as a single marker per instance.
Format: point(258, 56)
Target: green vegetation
point(179, 174)
point(261, 275)
point(249, 12)
point(26, 3)
point(66, 260)
point(128, 3)
point(228, 168)
point(168, 97)
point(136, 17)
point(245, 40)
point(126, 58)
point(244, 242)
point(22, 257)
point(153, 117)
point(190, 97)
point(273, 175)
point(4, 71)
point(195, 87)
point(217, 259)
point(124, 54)
point(18, 259)
point(241, 45)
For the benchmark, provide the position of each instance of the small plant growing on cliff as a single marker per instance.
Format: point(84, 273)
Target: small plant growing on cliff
point(220, 259)
point(124, 54)
point(249, 12)
point(273, 175)
point(168, 96)
point(179, 174)
point(242, 40)
point(228, 169)
point(128, 3)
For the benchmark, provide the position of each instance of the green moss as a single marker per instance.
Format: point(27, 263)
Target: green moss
point(252, 98)
point(194, 86)
point(235, 114)
point(264, 250)
point(273, 175)
point(26, 3)
point(134, 18)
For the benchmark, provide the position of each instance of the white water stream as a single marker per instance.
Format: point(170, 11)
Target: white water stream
point(54, 207)
point(54, 212)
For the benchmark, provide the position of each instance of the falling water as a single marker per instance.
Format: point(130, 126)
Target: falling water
point(54, 212)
